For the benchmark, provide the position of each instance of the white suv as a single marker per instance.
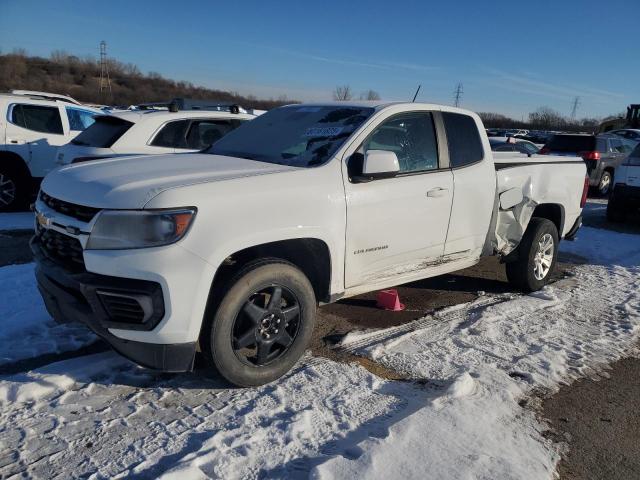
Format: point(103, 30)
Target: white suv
point(148, 132)
point(32, 126)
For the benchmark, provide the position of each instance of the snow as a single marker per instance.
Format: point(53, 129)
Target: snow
point(476, 365)
point(17, 221)
point(495, 352)
point(26, 329)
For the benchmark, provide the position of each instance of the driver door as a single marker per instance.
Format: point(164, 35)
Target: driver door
point(398, 226)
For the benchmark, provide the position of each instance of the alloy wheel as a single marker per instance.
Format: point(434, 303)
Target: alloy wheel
point(543, 257)
point(7, 190)
point(266, 326)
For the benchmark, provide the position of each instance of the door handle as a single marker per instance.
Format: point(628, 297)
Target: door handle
point(437, 192)
point(17, 141)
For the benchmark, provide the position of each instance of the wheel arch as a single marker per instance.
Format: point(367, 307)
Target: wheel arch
point(15, 162)
point(311, 255)
point(553, 212)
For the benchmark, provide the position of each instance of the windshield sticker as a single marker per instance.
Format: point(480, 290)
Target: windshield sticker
point(309, 109)
point(323, 131)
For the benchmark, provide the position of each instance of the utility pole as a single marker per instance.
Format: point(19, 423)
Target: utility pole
point(105, 80)
point(574, 108)
point(457, 95)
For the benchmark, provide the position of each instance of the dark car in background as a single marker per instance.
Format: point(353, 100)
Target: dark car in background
point(512, 144)
point(601, 153)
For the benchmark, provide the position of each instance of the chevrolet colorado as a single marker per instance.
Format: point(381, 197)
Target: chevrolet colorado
point(230, 251)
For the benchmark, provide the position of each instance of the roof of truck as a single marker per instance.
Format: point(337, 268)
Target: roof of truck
point(379, 104)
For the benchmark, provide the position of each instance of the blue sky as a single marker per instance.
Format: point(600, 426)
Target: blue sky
point(511, 57)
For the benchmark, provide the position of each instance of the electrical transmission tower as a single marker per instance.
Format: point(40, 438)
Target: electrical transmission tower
point(105, 80)
point(457, 95)
point(574, 108)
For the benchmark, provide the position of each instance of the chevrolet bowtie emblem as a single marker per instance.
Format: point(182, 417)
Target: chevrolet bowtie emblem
point(43, 220)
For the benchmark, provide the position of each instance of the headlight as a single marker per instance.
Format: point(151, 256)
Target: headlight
point(125, 229)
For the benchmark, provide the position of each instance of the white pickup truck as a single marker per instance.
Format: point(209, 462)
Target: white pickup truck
point(230, 251)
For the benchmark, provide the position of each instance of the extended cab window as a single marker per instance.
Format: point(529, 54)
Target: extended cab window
point(412, 137)
point(79, 119)
point(171, 135)
point(103, 133)
point(204, 133)
point(296, 135)
point(38, 118)
point(465, 146)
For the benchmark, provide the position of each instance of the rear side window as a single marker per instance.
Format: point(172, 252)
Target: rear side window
point(204, 133)
point(79, 119)
point(634, 157)
point(506, 147)
point(572, 143)
point(103, 133)
point(37, 118)
point(171, 135)
point(465, 146)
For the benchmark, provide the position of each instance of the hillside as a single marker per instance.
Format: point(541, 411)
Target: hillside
point(80, 77)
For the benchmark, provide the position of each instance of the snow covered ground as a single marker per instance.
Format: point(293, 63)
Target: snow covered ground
point(477, 366)
point(27, 330)
point(16, 221)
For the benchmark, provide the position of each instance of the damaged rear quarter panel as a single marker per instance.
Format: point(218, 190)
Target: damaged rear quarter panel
point(540, 184)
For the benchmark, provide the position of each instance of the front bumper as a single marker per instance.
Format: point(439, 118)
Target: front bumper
point(80, 296)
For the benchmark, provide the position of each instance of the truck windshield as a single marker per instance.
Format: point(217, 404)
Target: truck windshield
point(297, 135)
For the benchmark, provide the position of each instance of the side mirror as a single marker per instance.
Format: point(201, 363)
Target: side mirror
point(378, 164)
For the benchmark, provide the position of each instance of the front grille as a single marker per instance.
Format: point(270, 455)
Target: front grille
point(124, 308)
point(79, 212)
point(62, 249)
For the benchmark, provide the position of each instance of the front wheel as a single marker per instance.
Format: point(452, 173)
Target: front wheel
point(262, 325)
point(13, 190)
point(537, 255)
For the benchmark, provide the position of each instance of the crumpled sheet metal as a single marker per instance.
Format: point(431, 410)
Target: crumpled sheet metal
point(513, 222)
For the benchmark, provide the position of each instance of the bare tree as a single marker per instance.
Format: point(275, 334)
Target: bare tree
point(342, 93)
point(547, 118)
point(370, 95)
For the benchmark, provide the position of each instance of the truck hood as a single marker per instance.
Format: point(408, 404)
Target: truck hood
point(130, 182)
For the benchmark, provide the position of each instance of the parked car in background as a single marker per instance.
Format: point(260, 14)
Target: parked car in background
point(513, 144)
point(32, 126)
point(538, 137)
point(152, 132)
point(230, 250)
point(601, 153)
point(625, 197)
point(632, 135)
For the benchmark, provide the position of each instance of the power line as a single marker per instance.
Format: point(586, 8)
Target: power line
point(457, 95)
point(105, 80)
point(574, 108)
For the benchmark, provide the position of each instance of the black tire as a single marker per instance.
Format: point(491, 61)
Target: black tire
point(521, 273)
point(14, 190)
point(605, 183)
point(234, 323)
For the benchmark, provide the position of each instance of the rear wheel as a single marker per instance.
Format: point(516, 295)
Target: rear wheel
point(537, 255)
point(262, 325)
point(606, 180)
